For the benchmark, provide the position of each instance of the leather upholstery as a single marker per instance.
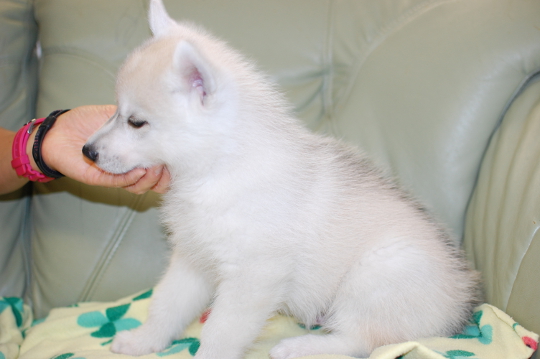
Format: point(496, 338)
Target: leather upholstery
point(504, 215)
point(420, 85)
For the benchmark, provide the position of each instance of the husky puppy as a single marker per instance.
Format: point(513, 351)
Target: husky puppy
point(265, 216)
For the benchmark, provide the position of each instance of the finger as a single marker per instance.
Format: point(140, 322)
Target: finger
point(130, 178)
point(163, 184)
point(146, 182)
point(97, 177)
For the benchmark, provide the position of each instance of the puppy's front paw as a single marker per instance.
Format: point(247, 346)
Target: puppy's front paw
point(136, 342)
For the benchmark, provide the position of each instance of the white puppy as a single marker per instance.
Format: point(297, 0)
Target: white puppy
point(266, 217)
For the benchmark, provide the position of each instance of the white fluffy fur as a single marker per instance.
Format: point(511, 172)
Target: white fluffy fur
point(265, 216)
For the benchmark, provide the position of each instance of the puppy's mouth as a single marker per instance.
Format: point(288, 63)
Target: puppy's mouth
point(108, 164)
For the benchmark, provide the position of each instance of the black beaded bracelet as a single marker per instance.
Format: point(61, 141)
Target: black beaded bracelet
point(38, 140)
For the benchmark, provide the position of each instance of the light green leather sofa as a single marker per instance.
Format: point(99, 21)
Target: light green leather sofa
point(444, 94)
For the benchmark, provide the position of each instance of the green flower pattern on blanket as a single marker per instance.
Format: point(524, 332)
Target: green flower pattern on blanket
point(16, 305)
point(113, 321)
point(109, 323)
point(451, 354)
point(458, 354)
point(66, 356)
point(313, 327)
point(488, 326)
point(144, 295)
point(484, 333)
point(192, 344)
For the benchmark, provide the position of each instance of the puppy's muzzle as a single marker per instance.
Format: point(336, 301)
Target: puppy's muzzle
point(90, 152)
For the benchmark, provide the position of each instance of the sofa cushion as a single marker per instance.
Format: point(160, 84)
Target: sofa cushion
point(420, 85)
point(502, 237)
point(18, 85)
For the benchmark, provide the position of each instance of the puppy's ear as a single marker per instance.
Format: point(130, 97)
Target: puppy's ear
point(194, 70)
point(160, 22)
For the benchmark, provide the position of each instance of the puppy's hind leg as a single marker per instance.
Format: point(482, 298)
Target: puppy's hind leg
point(180, 296)
point(348, 330)
point(373, 306)
point(313, 344)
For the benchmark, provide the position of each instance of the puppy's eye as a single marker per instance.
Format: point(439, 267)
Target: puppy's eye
point(135, 123)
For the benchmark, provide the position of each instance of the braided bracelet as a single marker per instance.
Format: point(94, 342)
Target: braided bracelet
point(38, 141)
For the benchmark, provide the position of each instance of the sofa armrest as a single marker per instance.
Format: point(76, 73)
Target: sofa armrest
point(501, 233)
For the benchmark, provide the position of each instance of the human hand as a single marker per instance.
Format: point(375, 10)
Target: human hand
point(62, 151)
point(156, 178)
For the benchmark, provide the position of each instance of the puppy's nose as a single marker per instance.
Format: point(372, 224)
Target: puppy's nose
point(90, 152)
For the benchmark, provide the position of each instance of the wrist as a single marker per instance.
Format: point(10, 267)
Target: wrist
point(28, 141)
point(48, 151)
point(44, 147)
point(20, 159)
point(39, 139)
point(29, 145)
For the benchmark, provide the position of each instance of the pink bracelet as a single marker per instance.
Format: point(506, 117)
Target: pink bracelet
point(21, 162)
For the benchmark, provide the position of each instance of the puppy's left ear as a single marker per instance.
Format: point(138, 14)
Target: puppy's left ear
point(158, 18)
point(196, 73)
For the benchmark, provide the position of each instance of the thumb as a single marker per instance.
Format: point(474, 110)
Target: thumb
point(97, 177)
point(129, 178)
